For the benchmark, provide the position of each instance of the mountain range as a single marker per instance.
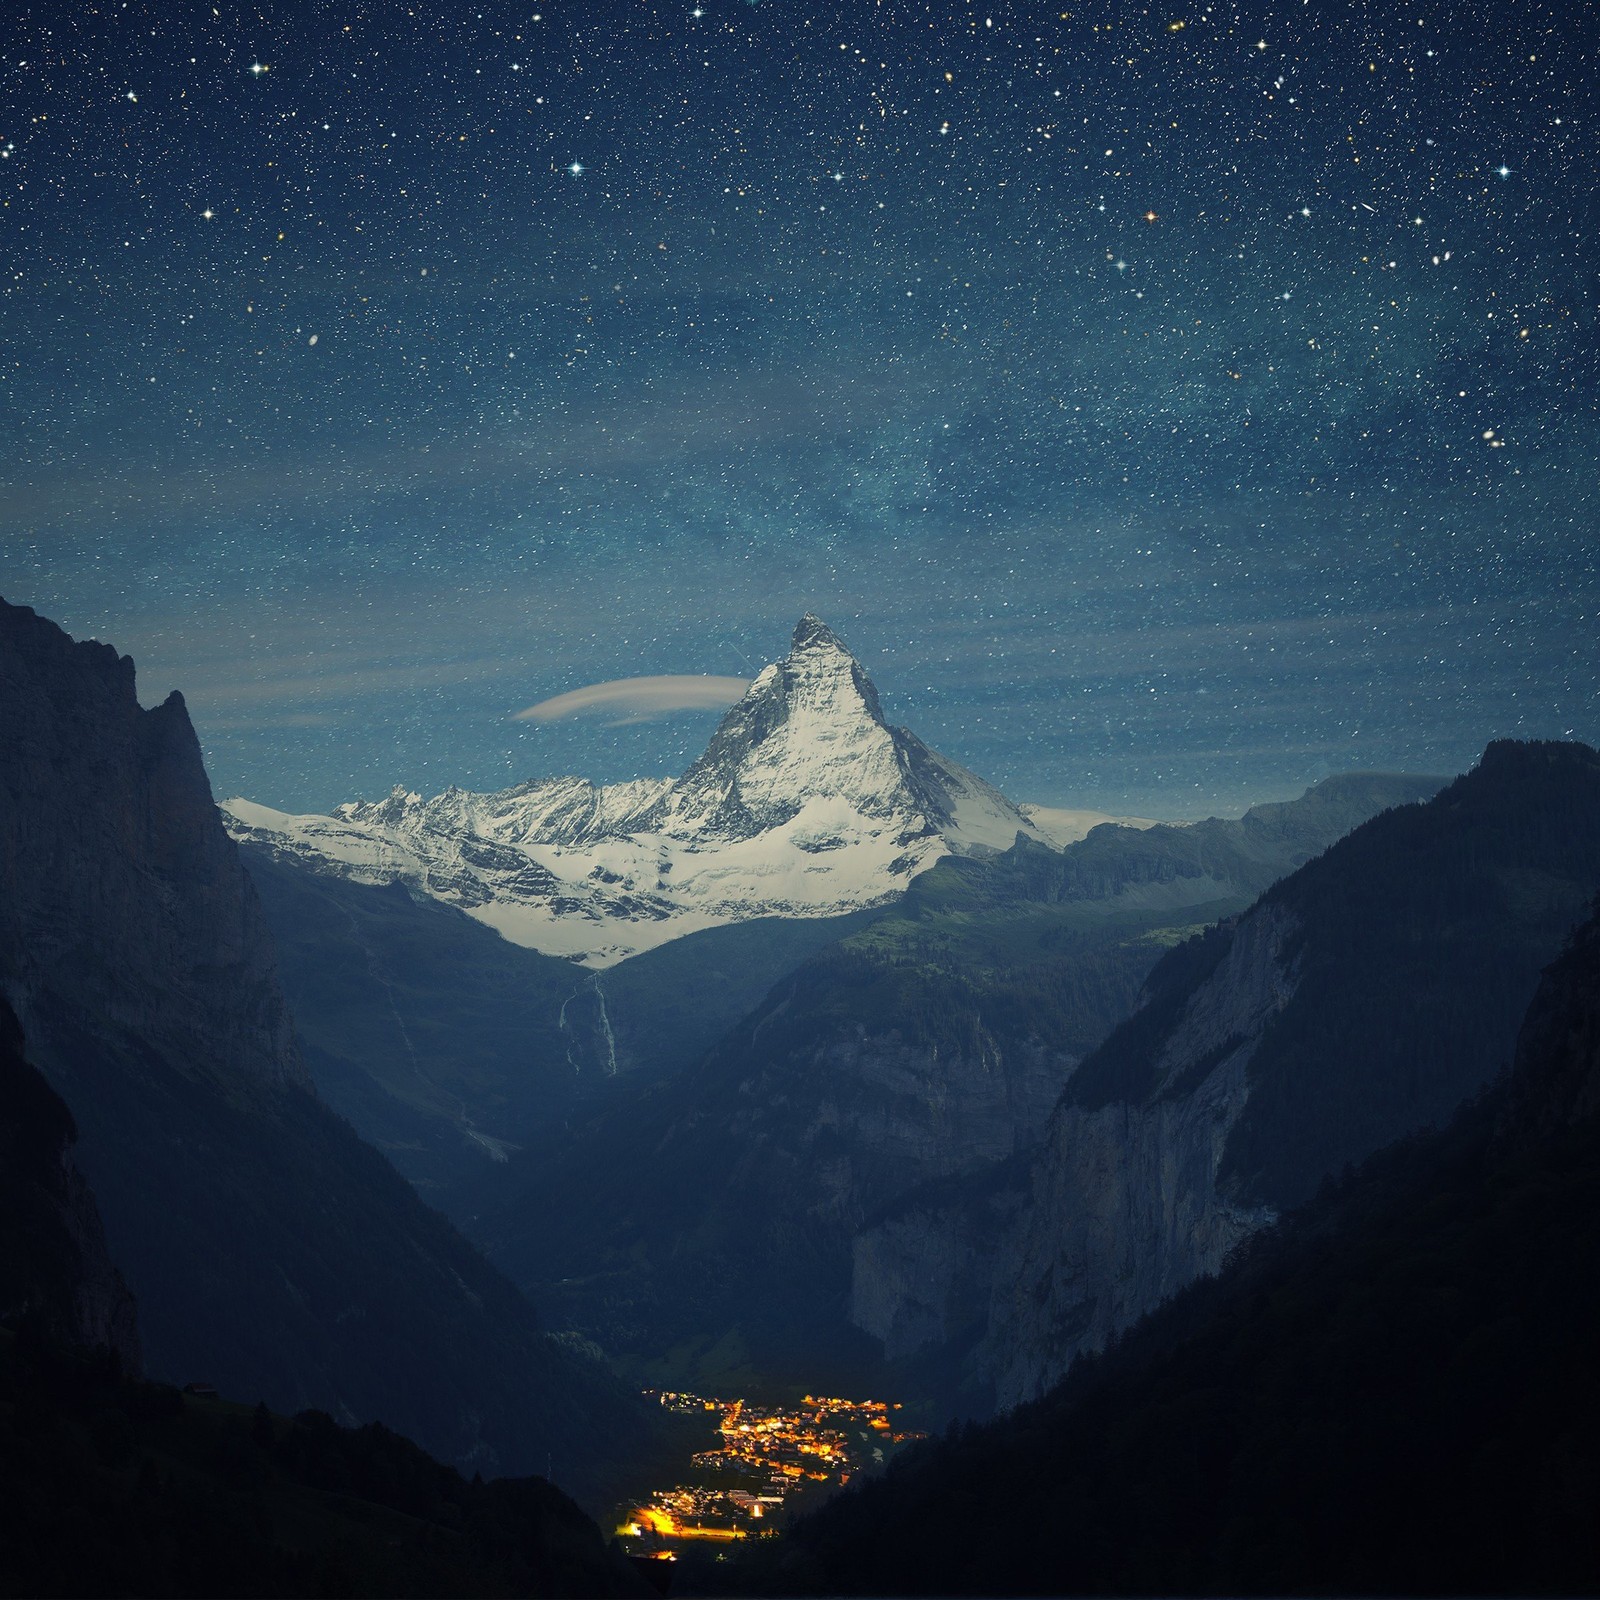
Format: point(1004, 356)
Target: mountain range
point(930, 1047)
point(448, 1046)
point(1361, 998)
point(823, 1065)
point(806, 803)
point(715, 1119)
point(272, 1253)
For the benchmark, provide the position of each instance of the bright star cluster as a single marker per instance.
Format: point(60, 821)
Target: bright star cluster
point(1169, 405)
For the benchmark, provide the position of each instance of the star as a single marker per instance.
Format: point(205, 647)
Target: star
point(208, 213)
point(575, 168)
point(1502, 171)
point(256, 68)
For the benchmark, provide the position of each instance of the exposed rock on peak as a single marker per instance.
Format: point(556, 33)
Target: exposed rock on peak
point(169, 942)
point(805, 803)
point(812, 630)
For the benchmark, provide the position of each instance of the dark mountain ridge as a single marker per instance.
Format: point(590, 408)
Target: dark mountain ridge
point(1361, 998)
point(1391, 1392)
point(271, 1251)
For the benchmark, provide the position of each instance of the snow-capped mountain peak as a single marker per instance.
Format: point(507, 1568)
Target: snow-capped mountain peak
point(810, 725)
point(805, 803)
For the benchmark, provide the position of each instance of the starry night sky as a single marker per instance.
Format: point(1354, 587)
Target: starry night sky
point(1170, 406)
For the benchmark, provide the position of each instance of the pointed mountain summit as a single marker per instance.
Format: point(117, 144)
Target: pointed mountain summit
point(805, 803)
point(810, 729)
point(811, 629)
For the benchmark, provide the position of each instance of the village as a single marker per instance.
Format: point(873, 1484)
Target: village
point(767, 1460)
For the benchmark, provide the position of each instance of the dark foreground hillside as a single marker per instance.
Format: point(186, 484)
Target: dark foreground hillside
point(117, 1487)
point(1393, 1393)
point(110, 1485)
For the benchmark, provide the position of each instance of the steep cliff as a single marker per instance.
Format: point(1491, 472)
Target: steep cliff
point(1390, 1392)
point(54, 1265)
point(1124, 1205)
point(271, 1251)
point(1098, 913)
point(121, 898)
point(1362, 998)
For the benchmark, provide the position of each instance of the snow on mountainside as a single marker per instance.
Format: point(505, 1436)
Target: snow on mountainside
point(806, 803)
point(1062, 827)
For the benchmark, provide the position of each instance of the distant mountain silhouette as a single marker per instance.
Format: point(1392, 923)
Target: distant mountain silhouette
point(1391, 1392)
point(271, 1251)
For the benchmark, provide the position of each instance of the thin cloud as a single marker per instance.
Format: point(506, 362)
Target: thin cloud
point(630, 700)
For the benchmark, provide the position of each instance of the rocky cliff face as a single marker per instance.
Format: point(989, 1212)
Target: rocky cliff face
point(1361, 999)
point(272, 1252)
point(121, 898)
point(1115, 1210)
point(1125, 1206)
point(922, 1274)
point(54, 1264)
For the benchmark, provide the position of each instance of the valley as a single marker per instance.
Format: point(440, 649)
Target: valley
point(314, 1126)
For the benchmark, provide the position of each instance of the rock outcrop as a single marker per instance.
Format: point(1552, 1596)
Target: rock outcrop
point(54, 1264)
point(1125, 1204)
point(121, 898)
point(271, 1251)
point(1362, 998)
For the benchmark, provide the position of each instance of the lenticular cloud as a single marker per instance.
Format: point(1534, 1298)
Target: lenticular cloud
point(640, 699)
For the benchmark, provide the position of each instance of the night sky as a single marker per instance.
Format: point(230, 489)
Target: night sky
point(1170, 406)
